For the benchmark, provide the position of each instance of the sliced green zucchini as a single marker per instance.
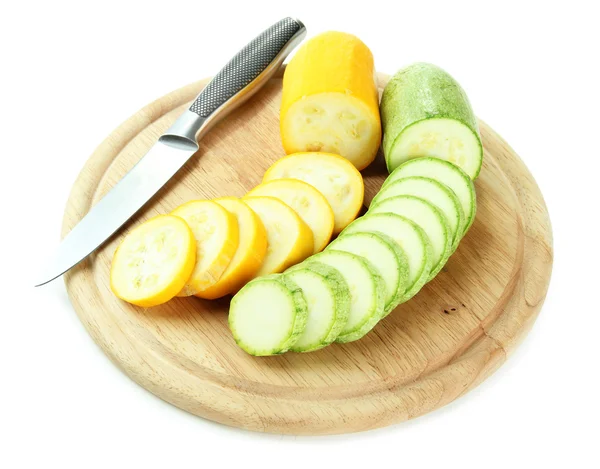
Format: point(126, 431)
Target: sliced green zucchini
point(387, 257)
point(409, 236)
point(446, 173)
point(432, 191)
point(428, 217)
point(328, 301)
point(425, 112)
point(367, 291)
point(267, 315)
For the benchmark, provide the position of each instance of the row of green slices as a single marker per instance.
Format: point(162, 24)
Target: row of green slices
point(379, 261)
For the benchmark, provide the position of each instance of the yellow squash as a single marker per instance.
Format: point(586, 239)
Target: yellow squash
point(330, 101)
point(289, 239)
point(154, 261)
point(333, 176)
point(249, 255)
point(217, 237)
point(306, 201)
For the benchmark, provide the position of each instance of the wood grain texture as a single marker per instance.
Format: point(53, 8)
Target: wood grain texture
point(455, 333)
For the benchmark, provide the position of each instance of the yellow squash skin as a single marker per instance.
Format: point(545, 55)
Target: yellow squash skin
point(334, 74)
point(154, 261)
point(289, 239)
point(250, 252)
point(217, 238)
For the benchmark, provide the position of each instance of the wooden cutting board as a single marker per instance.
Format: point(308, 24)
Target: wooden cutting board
point(445, 341)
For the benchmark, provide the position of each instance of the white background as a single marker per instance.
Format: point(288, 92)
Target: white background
point(73, 71)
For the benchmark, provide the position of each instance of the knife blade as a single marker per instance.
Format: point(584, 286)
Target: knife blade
point(241, 77)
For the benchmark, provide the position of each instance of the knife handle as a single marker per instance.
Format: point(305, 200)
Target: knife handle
point(243, 75)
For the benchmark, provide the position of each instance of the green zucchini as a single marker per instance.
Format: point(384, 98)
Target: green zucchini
point(267, 315)
point(428, 217)
point(446, 173)
point(409, 236)
point(432, 191)
point(387, 257)
point(425, 112)
point(367, 291)
point(328, 302)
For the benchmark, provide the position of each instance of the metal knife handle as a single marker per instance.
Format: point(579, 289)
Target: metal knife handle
point(243, 75)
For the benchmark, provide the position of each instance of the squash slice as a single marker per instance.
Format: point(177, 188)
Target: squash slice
point(249, 255)
point(216, 232)
point(310, 205)
point(153, 262)
point(289, 239)
point(332, 175)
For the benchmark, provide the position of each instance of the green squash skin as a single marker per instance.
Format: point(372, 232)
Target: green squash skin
point(423, 91)
point(301, 311)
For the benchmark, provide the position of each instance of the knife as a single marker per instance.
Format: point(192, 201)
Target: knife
point(243, 75)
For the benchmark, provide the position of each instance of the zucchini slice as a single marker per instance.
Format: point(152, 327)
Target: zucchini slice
point(387, 257)
point(367, 292)
point(428, 217)
point(446, 173)
point(409, 236)
point(432, 191)
point(328, 301)
point(267, 315)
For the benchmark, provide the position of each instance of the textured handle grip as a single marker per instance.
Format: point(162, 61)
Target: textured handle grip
point(245, 66)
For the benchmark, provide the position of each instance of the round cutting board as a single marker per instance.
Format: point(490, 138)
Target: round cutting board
point(445, 341)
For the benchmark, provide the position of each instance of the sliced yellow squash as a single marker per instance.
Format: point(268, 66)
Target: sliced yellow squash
point(330, 100)
point(334, 176)
point(249, 255)
point(154, 261)
point(306, 201)
point(216, 232)
point(289, 239)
